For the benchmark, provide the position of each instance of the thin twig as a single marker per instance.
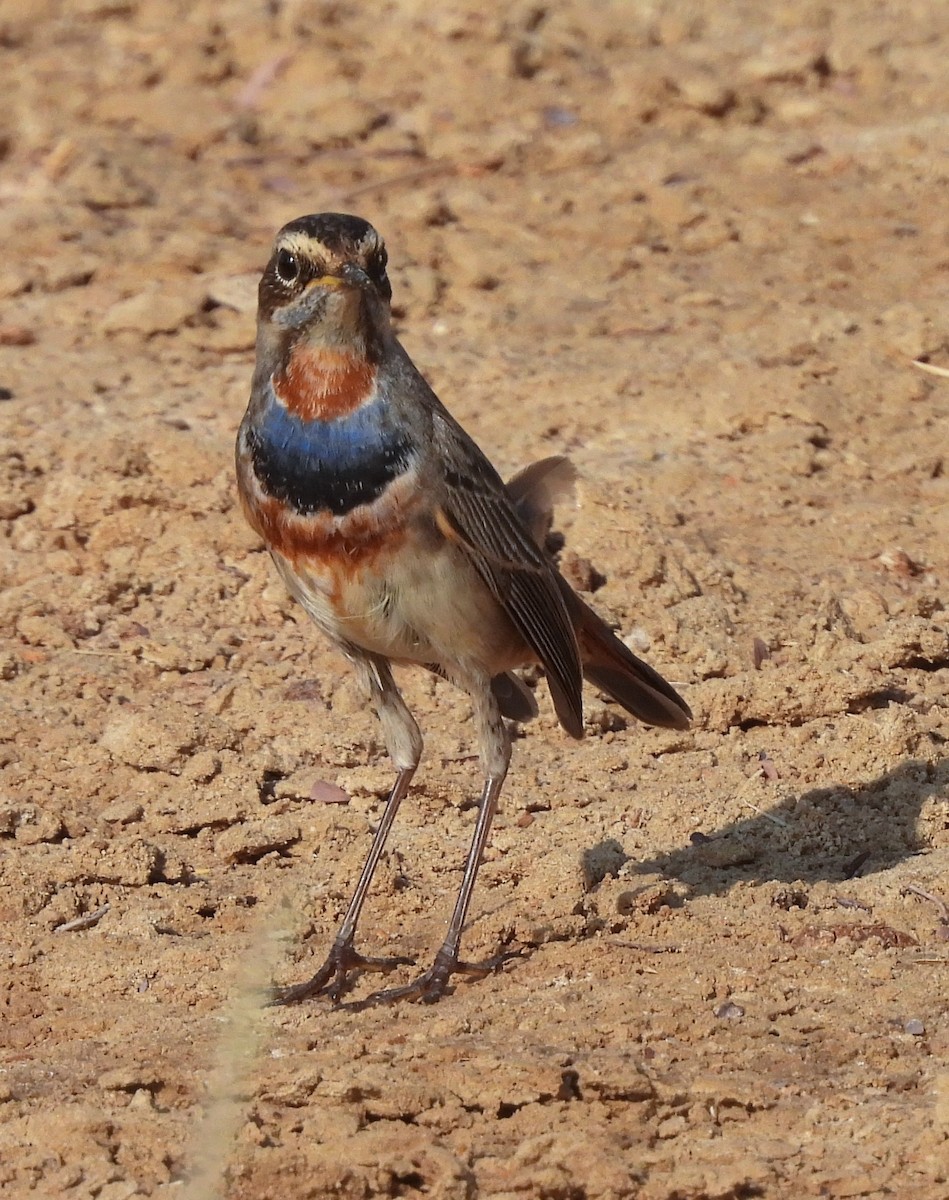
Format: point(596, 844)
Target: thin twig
point(262, 78)
point(939, 903)
point(767, 816)
point(86, 921)
point(758, 774)
point(646, 949)
point(931, 368)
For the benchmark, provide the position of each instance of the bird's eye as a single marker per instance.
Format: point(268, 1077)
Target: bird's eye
point(288, 267)
point(377, 273)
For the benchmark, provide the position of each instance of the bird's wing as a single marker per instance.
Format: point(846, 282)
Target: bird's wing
point(607, 662)
point(535, 490)
point(475, 512)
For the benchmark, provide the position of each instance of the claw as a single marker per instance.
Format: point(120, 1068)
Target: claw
point(431, 984)
point(337, 974)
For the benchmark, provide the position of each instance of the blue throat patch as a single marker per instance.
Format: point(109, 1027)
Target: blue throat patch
point(318, 466)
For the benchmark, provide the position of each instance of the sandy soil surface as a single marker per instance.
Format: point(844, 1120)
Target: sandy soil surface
point(699, 254)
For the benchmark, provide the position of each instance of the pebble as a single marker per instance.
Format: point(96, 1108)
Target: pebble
point(157, 309)
point(122, 812)
point(601, 860)
point(129, 1079)
point(252, 840)
point(37, 825)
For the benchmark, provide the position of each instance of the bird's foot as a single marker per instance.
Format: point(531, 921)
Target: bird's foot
point(337, 974)
point(430, 985)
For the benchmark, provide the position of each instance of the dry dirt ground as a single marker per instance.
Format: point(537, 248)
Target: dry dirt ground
point(696, 247)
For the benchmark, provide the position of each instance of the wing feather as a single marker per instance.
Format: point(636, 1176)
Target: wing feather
point(478, 514)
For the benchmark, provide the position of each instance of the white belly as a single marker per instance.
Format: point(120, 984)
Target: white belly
point(428, 607)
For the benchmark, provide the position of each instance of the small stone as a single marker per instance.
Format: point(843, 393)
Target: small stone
point(42, 631)
point(100, 179)
point(672, 1126)
point(651, 898)
point(724, 852)
point(327, 793)
point(898, 562)
point(238, 292)
point(122, 812)
point(129, 861)
point(37, 825)
point(909, 330)
point(16, 335)
point(247, 843)
point(706, 93)
point(601, 860)
point(157, 309)
point(368, 781)
point(729, 1011)
point(64, 271)
point(581, 573)
point(789, 59)
point(118, 1189)
point(914, 1027)
point(13, 282)
point(162, 739)
point(698, 299)
point(304, 689)
point(420, 285)
point(129, 1079)
point(575, 147)
point(638, 640)
point(228, 332)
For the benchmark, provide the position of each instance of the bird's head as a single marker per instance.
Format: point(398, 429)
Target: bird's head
point(325, 285)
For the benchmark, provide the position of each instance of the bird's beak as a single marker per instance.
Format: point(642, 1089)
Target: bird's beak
point(349, 276)
point(325, 281)
point(355, 276)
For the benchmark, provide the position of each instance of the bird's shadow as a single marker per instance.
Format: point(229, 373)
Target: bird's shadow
point(827, 834)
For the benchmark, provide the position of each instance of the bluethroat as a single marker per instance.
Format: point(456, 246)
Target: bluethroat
point(397, 536)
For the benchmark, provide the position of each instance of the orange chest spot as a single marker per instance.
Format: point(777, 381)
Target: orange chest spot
point(323, 384)
point(319, 544)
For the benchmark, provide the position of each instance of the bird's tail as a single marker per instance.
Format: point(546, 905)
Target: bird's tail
point(612, 667)
point(607, 663)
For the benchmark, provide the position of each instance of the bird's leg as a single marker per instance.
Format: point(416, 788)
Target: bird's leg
point(495, 757)
point(430, 985)
point(405, 746)
point(343, 957)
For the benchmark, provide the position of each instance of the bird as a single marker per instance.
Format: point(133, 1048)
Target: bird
point(393, 531)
